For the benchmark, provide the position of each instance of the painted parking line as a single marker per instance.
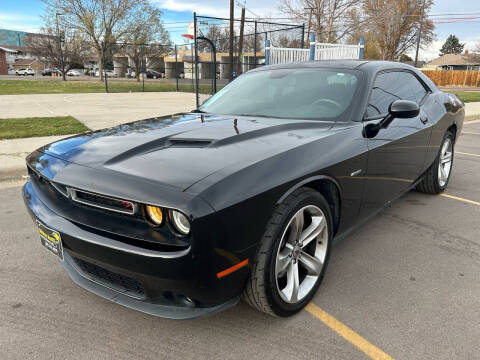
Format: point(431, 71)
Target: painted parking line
point(470, 133)
point(348, 334)
point(464, 153)
point(461, 199)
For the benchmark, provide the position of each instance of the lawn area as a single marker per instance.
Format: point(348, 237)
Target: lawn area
point(40, 126)
point(468, 96)
point(17, 87)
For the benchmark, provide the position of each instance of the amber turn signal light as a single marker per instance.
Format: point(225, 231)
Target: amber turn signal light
point(155, 214)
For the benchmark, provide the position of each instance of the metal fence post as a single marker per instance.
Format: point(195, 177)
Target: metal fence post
point(267, 52)
point(255, 46)
point(362, 46)
point(191, 69)
point(143, 68)
point(176, 69)
point(197, 100)
point(312, 47)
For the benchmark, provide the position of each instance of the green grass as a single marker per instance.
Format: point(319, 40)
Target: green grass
point(468, 96)
point(17, 87)
point(40, 126)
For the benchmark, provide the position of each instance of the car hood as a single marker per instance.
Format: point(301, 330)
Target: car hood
point(182, 149)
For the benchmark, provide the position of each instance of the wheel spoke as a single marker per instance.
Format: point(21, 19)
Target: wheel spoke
point(310, 263)
point(283, 261)
point(293, 282)
point(443, 173)
point(447, 157)
point(296, 228)
point(313, 230)
point(445, 146)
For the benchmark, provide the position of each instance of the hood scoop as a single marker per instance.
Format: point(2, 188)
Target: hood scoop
point(189, 143)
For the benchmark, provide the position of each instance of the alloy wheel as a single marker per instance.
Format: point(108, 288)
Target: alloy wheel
point(301, 254)
point(445, 163)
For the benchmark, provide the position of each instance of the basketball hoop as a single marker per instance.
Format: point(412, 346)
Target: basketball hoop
point(190, 32)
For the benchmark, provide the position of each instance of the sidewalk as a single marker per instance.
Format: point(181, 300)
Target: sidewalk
point(98, 111)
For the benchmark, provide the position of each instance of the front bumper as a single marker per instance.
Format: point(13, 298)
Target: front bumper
point(160, 283)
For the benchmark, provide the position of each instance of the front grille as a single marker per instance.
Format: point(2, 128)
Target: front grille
point(121, 283)
point(85, 197)
point(103, 202)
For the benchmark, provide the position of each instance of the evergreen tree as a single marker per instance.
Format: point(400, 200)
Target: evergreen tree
point(452, 46)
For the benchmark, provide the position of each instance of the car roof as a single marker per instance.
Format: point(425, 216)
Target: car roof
point(369, 66)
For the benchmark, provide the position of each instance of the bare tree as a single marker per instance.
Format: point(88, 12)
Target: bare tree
point(104, 22)
point(286, 41)
point(477, 48)
point(220, 37)
point(393, 25)
point(46, 47)
point(147, 42)
point(331, 20)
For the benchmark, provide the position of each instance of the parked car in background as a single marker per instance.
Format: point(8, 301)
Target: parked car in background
point(25, 72)
point(73, 72)
point(50, 72)
point(108, 73)
point(179, 216)
point(152, 74)
point(12, 72)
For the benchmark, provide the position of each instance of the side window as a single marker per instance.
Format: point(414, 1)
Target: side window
point(417, 89)
point(391, 86)
point(383, 94)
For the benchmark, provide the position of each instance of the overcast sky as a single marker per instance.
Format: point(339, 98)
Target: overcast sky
point(26, 15)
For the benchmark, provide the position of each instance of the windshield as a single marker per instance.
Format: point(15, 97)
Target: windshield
point(287, 93)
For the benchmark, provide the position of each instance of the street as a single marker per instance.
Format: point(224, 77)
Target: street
point(405, 286)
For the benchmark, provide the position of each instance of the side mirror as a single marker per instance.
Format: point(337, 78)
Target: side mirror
point(399, 109)
point(403, 109)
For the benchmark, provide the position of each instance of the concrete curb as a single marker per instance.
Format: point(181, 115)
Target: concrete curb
point(13, 173)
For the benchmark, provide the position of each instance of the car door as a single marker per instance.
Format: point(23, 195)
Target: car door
point(397, 153)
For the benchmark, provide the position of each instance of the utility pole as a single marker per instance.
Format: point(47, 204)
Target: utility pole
point(419, 33)
point(60, 47)
point(240, 44)
point(309, 21)
point(230, 51)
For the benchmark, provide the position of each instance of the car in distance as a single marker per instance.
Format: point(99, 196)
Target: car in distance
point(73, 72)
point(25, 72)
point(180, 216)
point(152, 74)
point(108, 73)
point(51, 72)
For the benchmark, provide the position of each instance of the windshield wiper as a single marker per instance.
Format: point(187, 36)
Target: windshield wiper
point(197, 111)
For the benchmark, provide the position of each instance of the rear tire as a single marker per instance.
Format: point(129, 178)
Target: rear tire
point(438, 175)
point(293, 255)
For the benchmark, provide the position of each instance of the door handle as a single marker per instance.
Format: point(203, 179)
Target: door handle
point(424, 120)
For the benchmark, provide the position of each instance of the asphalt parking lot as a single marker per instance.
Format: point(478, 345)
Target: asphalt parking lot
point(404, 286)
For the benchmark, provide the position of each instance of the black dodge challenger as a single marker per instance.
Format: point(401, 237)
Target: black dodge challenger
point(180, 216)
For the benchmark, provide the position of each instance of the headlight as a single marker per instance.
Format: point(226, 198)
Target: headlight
point(155, 214)
point(180, 221)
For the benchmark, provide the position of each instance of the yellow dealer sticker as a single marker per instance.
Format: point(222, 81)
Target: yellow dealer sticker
point(51, 239)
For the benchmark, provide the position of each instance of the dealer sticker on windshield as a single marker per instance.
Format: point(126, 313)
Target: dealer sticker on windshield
point(50, 239)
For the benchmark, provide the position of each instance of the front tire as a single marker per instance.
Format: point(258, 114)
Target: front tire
point(293, 255)
point(438, 175)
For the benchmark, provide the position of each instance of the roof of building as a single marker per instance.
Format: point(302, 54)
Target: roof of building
point(25, 62)
point(18, 48)
point(8, 49)
point(456, 59)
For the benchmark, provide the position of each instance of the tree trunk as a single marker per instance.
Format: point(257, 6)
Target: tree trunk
point(100, 64)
